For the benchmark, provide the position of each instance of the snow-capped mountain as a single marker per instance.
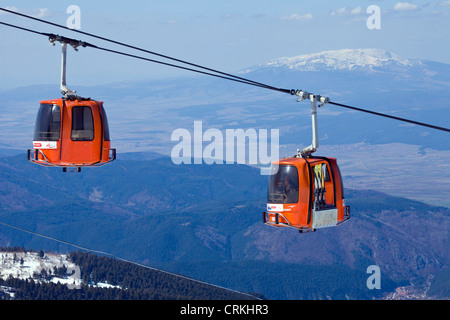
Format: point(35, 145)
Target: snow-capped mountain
point(356, 71)
point(345, 59)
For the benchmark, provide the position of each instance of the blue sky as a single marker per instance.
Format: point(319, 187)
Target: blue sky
point(226, 35)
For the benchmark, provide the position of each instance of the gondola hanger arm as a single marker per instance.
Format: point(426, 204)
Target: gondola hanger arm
point(314, 98)
point(69, 94)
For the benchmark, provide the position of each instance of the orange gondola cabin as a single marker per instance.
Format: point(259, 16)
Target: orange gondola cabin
point(71, 133)
point(306, 194)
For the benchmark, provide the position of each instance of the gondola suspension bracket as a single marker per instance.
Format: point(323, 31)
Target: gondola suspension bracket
point(314, 98)
point(67, 93)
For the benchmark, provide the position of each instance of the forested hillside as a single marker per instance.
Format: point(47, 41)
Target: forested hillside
point(125, 281)
point(204, 221)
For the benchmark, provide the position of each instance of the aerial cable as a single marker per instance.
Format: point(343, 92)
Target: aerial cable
point(121, 259)
point(391, 117)
point(22, 28)
point(148, 51)
point(184, 68)
point(54, 37)
point(300, 93)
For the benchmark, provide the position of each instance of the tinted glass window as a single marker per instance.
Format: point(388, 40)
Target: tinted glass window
point(48, 123)
point(105, 126)
point(82, 124)
point(283, 185)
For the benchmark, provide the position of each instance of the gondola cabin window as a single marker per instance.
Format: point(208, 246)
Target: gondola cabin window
point(48, 123)
point(283, 185)
point(82, 124)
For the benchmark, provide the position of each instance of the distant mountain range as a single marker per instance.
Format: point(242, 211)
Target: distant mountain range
point(345, 59)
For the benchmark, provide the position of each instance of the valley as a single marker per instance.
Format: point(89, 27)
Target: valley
point(211, 220)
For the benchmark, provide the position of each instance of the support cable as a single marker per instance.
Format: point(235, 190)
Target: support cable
point(391, 117)
point(302, 94)
point(146, 51)
point(122, 259)
point(54, 37)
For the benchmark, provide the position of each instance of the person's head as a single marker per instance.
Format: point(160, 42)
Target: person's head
point(287, 182)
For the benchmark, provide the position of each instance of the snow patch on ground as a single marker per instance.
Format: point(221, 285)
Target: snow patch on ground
point(29, 265)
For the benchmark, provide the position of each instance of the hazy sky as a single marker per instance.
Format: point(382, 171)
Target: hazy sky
point(227, 35)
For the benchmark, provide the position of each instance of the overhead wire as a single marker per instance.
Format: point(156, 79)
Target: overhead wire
point(144, 58)
point(219, 74)
point(390, 117)
point(123, 260)
point(148, 51)
point(21, 28)
point(183, 68)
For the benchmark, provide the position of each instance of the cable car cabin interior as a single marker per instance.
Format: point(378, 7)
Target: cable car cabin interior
point(306, 194)
point(71, 133)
